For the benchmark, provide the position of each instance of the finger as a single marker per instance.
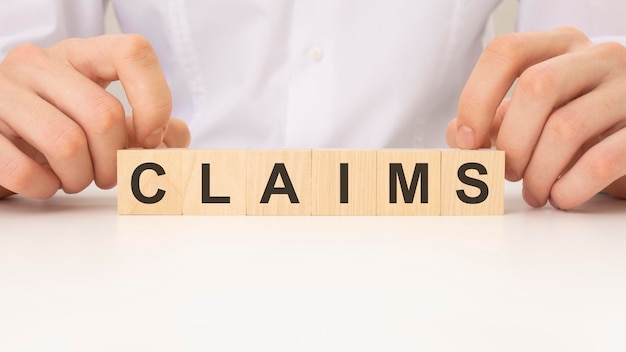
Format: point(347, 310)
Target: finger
point(498, 119)
point(177, 134)
point(598, 168)
point(495, 127)
point(617, 189)
point(564, 135)
point(539, 91)
point(49, 131)
point(4, 193)
point(131, 59)
point(501, 63)
point(20, 174)
point(451, 133)
point(98, 113)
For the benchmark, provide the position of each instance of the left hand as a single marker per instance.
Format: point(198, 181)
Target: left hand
point(176, 135)
point(563, 128)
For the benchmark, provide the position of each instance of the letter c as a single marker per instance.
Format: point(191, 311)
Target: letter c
point(134, 183)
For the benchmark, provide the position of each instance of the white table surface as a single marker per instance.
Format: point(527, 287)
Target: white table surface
point(75, 276)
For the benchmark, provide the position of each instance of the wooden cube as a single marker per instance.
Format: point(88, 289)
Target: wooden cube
point(279, 182)
point(214, 182)
point(472, 182)
point(344, 182)
point(305, 182)
point(408, 182)
point(149, 181)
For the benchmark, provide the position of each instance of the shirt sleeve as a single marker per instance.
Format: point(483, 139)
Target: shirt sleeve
point(601, 20)
point(46, 22)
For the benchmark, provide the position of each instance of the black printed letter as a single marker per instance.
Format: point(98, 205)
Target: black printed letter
point(279, 169)
point(408, 193)
point(484, 189)
point(343, 183)
point(206, 188)
point(134, 183)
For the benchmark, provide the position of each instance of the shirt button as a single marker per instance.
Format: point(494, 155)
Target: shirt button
point(315, 53)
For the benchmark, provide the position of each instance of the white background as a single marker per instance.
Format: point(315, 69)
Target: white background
point(75, 276)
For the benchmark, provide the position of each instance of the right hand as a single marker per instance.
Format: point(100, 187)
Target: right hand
point(60, 128)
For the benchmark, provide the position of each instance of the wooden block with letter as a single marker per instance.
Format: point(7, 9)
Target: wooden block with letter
point(472, 182)
point(279, 182)
point(344, 182)
point(214, 182)
point(408, 182)
point(149, 181)
point(311, 182)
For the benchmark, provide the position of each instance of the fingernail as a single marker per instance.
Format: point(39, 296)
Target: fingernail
point(154, 139)
point(465, 137)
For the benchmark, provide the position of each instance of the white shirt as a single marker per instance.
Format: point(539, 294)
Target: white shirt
point(310, 73)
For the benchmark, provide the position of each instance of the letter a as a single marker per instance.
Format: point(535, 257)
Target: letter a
point(279, 170)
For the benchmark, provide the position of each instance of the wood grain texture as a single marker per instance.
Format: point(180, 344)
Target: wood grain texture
point(159, 185)
point(272, 172)
point(387, 182)
point(214, 182)
point(344, 182)
point(408, 182)
point(472, 182)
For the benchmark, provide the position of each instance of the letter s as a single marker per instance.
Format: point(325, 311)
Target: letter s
point(484, 189)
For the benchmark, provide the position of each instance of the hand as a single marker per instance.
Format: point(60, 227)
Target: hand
point(59, 128)
point(563, 128)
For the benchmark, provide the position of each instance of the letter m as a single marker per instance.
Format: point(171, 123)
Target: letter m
point(396, 175)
